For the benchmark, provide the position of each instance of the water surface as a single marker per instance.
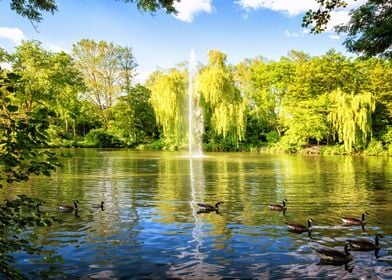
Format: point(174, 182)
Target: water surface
point(151, 228)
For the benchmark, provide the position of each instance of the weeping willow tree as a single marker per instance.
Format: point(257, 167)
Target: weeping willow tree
point(168, 98)
point(222, 98)
point(352, 118)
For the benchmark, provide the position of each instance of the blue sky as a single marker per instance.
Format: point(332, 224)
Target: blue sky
point(240, 28)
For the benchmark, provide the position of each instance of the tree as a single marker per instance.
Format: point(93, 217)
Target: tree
point(48, 78)
point(134, 118)
point(255, 79)
point(222, 98)
point(352, 118)
point(369, 29)
point(22, 139)
point(31, 62)
point(107, 69)
point(32, 9)
point(168, 100)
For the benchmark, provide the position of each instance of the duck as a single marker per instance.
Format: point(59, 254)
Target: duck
point(208, 207)
point(96, 205)
point(332, 256)
point(278, 207)
point(362, 244)
point(68, 208)
point(298, 228)
point(354, 221)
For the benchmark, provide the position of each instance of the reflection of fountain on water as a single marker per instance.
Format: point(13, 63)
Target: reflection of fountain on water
point(196, 176)
point(195, 113)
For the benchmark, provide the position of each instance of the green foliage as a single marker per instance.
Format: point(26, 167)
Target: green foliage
point(107, 70)
point(368, 30)
point(333, 150)
point(154, 5)
point(16, 217)
point(32, 9)
point(375, 148)
point(100, 138)
point(134, 118)
point(272, 137)
point(288, 144)
point(318, 19)
point(223, 101)
point(168, 98)
point(387, 136)
point(22, 137)
point(352, 118)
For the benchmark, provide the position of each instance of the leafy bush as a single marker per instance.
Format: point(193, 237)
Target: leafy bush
point(156, 145)
point(333, 150)
point(374, 148)
point(100, 138)
point(286, 145)
point(16, 217)
point(272, 137)
point(387, 136)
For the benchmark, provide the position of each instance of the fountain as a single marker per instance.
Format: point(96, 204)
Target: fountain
point(196, 174)
point(195, 113)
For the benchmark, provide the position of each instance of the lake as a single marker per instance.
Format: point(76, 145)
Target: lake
point(151, 227)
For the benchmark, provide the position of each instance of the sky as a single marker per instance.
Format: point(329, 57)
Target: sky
point(239, 28)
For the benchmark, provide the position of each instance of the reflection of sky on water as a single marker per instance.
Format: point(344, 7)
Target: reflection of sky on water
point(150, 227)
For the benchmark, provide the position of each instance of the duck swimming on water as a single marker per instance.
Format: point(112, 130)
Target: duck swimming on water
point(67, 207)
point(208, 207)
point(278, 207)
point(95, 205)
point(349, 221)
point(298, 228)
point(335, 257)
point(362, 244)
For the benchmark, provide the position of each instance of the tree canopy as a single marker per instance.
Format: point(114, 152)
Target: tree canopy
point(33, 9)
point(369, 30)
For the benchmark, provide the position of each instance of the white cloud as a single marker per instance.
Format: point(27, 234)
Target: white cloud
point(337, 17)
point(334, 37)
point(56, 48)
point(187, 9)
point(14, 34)
point(302, 33)
point(290, 7)
point(297, 7)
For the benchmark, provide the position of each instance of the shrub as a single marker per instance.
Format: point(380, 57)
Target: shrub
point(374, 148)
point(102, 139)
point(272, 137)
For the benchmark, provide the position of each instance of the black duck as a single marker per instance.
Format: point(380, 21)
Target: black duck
point(332, 256)
point(209, 207)
point(96, 205)
point(67, 207)
point(278, 207)
point(298, 228)
point(362, 244)
point(350, 221)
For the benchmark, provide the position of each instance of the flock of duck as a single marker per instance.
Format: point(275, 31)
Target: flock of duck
point(327, 255)
point(66, 208)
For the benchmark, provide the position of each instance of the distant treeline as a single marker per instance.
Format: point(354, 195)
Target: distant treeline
point(341, 104)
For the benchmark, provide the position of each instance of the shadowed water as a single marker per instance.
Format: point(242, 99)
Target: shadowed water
point(151, 228)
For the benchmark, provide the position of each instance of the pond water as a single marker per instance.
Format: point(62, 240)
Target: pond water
point(151, 227)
